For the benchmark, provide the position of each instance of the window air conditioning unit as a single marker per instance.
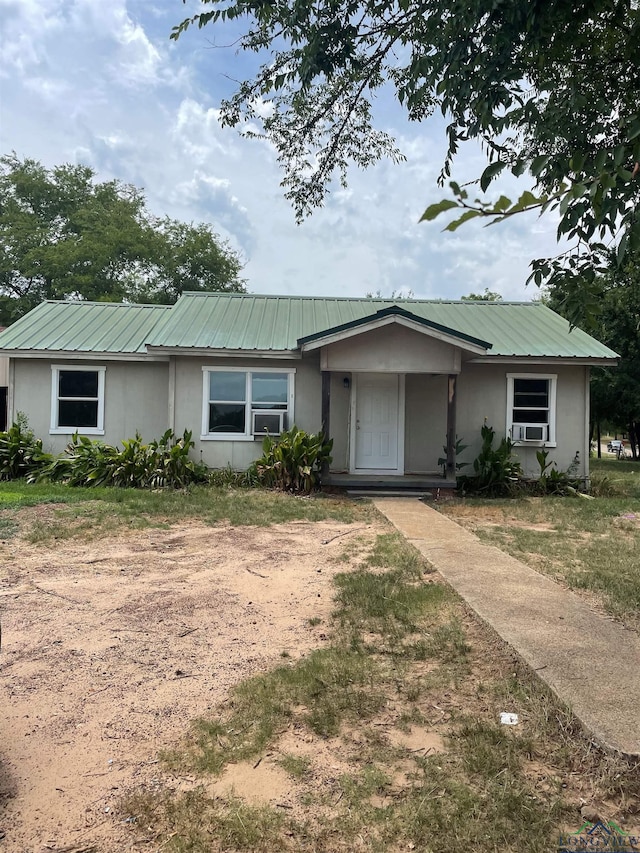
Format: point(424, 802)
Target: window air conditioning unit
point(267, 422)
point(530, 432)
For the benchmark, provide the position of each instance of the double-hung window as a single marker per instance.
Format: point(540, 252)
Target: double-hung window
point(531, 408)
point(242, 404)
point(77, 400)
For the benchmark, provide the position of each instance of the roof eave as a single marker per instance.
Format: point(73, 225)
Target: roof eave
point(590, 361)
point(229, 353)
point(85, 355)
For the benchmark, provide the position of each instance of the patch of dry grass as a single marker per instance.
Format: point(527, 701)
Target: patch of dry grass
point(589, 545)
point(389, 749)
point(64, 512)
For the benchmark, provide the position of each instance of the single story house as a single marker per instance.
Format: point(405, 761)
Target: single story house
point(392, 382)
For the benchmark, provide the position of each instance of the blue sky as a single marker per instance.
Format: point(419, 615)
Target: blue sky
point(99, 82)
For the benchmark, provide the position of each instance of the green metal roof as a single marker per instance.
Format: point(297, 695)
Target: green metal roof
point(84, 327)
point(275, 323)
point(254, 323)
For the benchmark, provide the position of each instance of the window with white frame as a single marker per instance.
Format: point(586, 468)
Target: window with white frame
point(531, 408)
point(77, 400)
point(240, 404)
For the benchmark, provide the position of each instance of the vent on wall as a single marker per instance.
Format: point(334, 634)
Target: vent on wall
point(530, 432)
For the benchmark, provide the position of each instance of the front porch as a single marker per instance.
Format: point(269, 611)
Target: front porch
point(390, 430)
point(388, 398)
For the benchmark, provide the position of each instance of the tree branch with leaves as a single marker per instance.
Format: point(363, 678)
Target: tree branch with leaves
point(548, 87)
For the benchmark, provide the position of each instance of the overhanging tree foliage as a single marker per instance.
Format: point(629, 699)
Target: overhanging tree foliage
point(63, 235)
point(548, 87)
point(615, 392)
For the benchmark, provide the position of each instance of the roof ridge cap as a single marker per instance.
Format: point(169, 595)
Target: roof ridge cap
point(92, 302)
point(390, 300)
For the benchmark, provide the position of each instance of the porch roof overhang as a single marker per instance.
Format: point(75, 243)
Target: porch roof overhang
point(388, 316)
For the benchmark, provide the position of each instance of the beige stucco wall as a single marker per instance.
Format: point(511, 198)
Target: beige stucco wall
point(4, 371)
point(240, 454)
point(392, 349)
point(425, 422)
point(135, 399)
point(482, 394)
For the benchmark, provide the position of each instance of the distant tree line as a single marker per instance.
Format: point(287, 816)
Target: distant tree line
point(64, 235)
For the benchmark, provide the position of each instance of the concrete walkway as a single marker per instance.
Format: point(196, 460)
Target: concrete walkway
point(589, 661)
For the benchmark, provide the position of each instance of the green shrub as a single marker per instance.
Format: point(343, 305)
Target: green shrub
point(169, 462)
point(21, 453)
point(85, 463)
point(230, 478)
point(459, 448)
point(293, 462)
point(554, 482)
point(161, 463)
point(602, 486)
point(496, 471)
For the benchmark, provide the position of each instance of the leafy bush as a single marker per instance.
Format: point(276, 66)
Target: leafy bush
point(230, 478)
point(459, 448)
point(21, 452)
point(552, 481)
point(496, 471)
point(294, 461)
point(170, 464)
point(602, 486)
point(85, 463)
point(161, 463)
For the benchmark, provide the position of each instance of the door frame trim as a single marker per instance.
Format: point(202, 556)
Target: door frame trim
point(399, 470)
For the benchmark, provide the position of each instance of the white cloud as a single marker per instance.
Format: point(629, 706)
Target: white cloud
point(262, 108)
point(197, 132)
point(51, 91)
point(27, 24)
point(139, 59)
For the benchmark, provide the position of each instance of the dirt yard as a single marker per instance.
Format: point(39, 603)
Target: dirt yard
point(111, 647)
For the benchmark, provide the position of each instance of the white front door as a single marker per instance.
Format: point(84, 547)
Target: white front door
point(377, 423)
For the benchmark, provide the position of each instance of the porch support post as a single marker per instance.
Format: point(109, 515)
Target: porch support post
point(451, 426)
point(171, 414)
point(326, 412)
point(11, 393)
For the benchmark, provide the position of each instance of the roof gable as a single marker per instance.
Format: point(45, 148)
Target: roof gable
point(393, 314)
